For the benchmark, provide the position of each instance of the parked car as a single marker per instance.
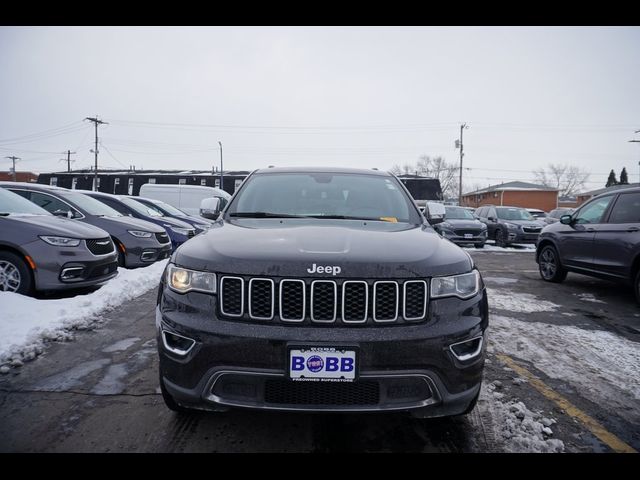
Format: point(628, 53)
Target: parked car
point(178, 231)
point(461, 227)
point(138, 242)
point(199, 223)
point(601, 239)
point(554, 215)
point(321, 290)
point(537, 214)
point(40, 252)
point(183, 197)
point(508, 225)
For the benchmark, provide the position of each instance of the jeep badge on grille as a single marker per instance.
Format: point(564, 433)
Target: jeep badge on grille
point(329, 269)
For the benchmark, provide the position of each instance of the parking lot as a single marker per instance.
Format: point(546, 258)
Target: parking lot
point(561, 375)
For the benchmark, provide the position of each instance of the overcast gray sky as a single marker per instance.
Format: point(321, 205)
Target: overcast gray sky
point(349, 96)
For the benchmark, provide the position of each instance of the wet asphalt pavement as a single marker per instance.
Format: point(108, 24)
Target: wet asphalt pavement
point(100, 392)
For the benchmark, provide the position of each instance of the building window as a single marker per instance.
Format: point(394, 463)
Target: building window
point(216, 183)
point(74, 183)
point(203, 181)
point(116, 182)
point(53, 181)
point(182, 181)
point(236, 184)
point(152, 180)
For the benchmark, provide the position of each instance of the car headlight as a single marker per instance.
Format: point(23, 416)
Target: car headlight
point(139, 233)
point(511, 225)
point(181, 231)
point(60, 241)
point(462, 286)
point(183, 280)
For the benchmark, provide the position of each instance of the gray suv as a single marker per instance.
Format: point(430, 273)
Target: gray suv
point(508, 225)
point(39, 251)
point(139, 242)
point(600, 239)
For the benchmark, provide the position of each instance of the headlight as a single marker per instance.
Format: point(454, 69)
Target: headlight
point(462, 286)
point(139, 233)
point(183, 280)
point(511, 225)
point(181, 231)
point(60, 241)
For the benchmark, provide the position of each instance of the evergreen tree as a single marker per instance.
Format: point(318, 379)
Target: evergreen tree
point(624, 178)
point(612, 179)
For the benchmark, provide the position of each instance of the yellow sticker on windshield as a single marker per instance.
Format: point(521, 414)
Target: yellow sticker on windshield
point(389, 219)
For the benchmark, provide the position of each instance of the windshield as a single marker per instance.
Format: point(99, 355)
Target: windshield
point(324, 195)
point(140, 208)
point(513, 214)
point(12, 203)
point(90, 205)
point(168, 209)
point(457, 213)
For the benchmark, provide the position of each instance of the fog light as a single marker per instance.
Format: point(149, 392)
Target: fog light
point(71, 272)
point(177, 343)
point(467, 350)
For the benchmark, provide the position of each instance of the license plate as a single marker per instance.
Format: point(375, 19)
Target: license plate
point(468, 235)
point(322, 364)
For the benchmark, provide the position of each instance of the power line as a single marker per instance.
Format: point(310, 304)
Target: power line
point(68, 160)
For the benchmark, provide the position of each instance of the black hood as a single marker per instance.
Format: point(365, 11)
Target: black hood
point(289, 247)
point(527, 223)
point(463, 223)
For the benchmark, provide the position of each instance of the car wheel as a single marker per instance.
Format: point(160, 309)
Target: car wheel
point(637, 287)
point(170, 402)
point(478, 245)
point(500, 241)
point(549, 265)
point(15, 275)
point(121, 260)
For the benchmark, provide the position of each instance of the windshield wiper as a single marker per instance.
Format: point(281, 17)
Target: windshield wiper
point(265, 215)
point(345, 217)
point(3, 214)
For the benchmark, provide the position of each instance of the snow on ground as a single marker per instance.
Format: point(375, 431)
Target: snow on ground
point(517, 248)
point(26, 322)
point(517, 428)
point(601, 366)
point(518, 302)
point(588, 297)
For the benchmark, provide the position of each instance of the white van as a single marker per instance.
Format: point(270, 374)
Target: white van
point(184, 197)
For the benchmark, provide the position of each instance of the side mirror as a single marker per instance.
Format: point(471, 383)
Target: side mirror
point(435, 213)
point(210, 208)
point(63, 213)
point(492, 219)
point(565, 219)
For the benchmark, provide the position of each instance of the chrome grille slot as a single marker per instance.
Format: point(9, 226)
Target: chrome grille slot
point(415, 299)
point(355, 301)
point(385, 301)
point(292, 300)
point(232, 296)
point(261, 298)
point(324, 301)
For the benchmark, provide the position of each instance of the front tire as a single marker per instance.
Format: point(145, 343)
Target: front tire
point(500, 240)
point(549, 265)
point(15, 275)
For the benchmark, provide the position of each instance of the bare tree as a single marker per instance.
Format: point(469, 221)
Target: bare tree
point(568, 179)
point(433, 167)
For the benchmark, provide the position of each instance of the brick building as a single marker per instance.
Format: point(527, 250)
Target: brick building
point(20, 177)
point(514, 194)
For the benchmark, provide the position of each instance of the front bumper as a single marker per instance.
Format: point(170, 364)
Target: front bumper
point(401, 367)
point(516, 236)
point(83, 268)
point(142, 254)
point(475, 238)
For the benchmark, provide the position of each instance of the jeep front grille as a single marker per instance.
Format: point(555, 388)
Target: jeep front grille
point(321, 301)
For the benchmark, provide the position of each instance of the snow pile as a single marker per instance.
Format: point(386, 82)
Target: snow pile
point(588, 297)
point(26, 323)
point(518, 428)
point(526, 248)
point(602, 366)
point(518, 302)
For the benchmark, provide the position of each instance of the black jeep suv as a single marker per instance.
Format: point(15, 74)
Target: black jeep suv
point(322, 290)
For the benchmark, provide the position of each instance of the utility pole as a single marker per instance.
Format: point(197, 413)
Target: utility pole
point(637, 141)
point(68, 159)
point(221, 169)
point(96, 122)
point(13, 170)
point(460, 146)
